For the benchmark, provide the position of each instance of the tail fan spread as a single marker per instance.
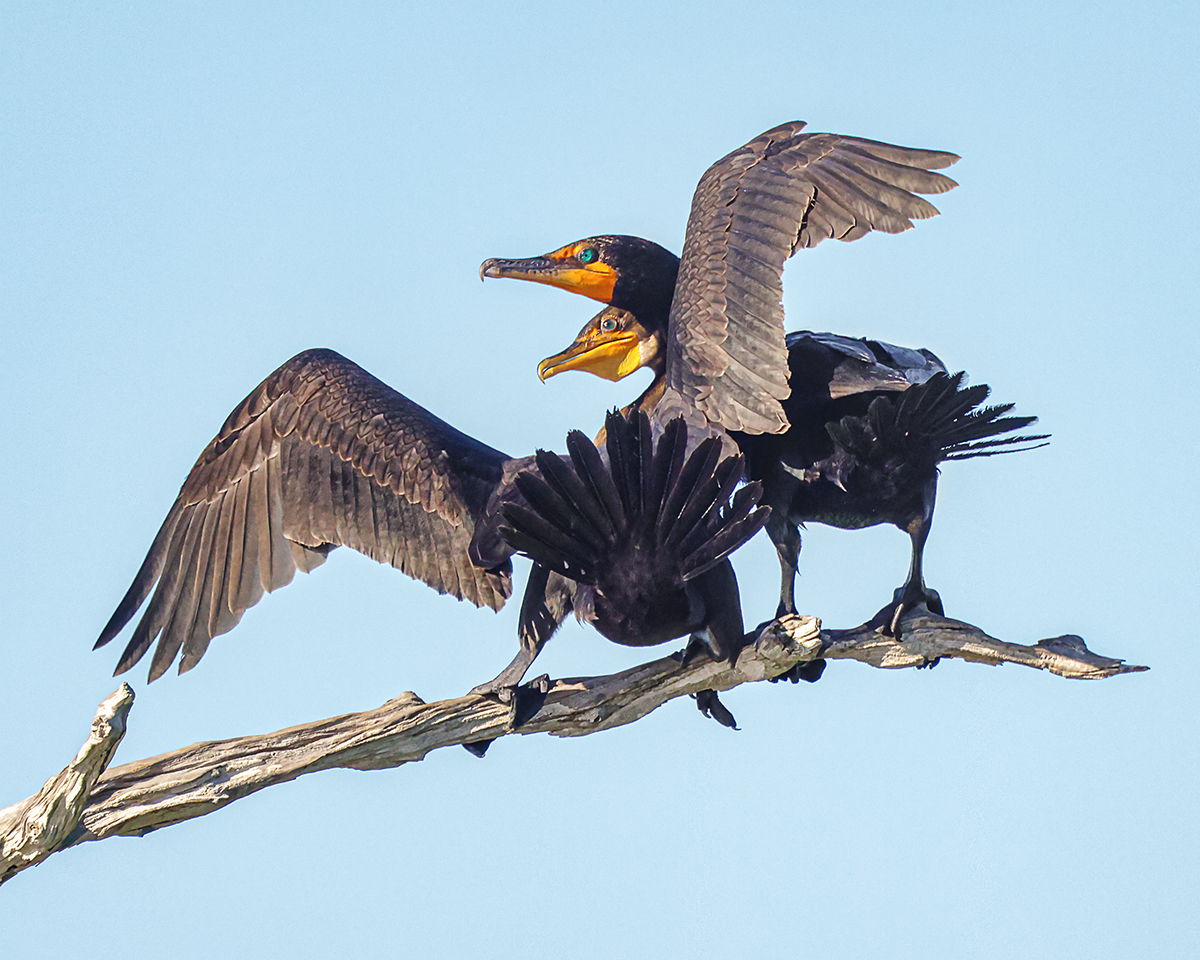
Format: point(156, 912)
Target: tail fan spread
point(648, 505)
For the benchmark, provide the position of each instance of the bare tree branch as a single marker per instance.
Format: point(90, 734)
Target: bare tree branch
point(81, 804)
point(33, 829)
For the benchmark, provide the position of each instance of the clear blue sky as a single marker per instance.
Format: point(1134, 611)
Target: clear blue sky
point(192, 193)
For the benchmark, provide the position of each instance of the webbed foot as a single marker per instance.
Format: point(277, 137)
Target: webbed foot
point(905, 601)
point(528, 698)
point(809, 671)
point(508, 679)
point(499, 688)
point(709, 704)
point(505, 691)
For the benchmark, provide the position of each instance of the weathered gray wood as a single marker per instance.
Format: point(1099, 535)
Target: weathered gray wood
point(34, 828)
point(137, 798)
point(928, 638)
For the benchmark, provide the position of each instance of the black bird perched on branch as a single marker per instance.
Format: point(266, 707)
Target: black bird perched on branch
point(839, 430)
point(645, 537)
point(322, 454)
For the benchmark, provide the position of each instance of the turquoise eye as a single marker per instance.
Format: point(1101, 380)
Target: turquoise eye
point(587, 255)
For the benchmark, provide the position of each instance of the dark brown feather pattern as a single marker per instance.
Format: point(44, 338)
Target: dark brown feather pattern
point(320, 454)
point(751, 211)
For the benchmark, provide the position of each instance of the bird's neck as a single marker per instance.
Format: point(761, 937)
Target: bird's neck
point(652, 394)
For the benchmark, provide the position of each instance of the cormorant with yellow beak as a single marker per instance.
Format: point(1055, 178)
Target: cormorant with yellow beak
point(839, 430)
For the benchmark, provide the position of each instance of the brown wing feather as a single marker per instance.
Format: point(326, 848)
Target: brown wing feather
point(752, 210)
point(321, 454)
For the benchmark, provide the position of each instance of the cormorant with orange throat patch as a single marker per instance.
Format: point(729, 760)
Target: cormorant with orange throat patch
point(839, 430)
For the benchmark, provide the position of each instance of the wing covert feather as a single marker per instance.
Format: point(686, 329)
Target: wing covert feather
point(320, 454)
point(783, 191)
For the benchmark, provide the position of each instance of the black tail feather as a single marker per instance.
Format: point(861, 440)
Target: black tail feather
point(590, 469)
point(582, 517)
point(743, 519)
point(940, 419)
point(685, 490)
point(714, 495)
point(560, 484)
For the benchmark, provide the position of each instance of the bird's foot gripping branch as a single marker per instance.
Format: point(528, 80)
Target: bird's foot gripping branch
point(87, 801)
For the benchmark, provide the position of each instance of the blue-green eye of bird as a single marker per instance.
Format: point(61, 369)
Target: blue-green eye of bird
point(587, 255)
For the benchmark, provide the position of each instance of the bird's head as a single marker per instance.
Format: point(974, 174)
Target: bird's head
point(612, 345)
point(626, 272)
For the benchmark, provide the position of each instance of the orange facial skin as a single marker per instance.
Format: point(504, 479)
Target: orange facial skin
point(576, 268)
point(611, 345)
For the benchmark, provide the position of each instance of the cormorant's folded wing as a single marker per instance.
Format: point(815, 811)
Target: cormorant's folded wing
point(826, 366)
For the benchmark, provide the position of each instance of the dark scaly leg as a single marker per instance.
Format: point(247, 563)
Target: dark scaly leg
point(913, 592)
point(718, 591)
point(508, 679)
point(786, 537)
point(715, 593)
point(547, 601)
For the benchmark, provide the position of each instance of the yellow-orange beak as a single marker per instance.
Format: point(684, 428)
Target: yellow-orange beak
point(609, 355)
point(557, 269)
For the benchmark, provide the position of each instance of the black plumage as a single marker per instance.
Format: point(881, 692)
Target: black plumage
point(870, 424)
point(819, 418)
point(645, 536)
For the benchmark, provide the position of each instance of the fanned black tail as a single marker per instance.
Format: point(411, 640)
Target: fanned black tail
point(937, 420)
point(644, 523)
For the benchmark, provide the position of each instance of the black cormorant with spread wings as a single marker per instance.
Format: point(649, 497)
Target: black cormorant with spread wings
point(839, 430)
point(322, 454)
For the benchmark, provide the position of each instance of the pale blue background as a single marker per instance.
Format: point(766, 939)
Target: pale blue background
point(192, 193)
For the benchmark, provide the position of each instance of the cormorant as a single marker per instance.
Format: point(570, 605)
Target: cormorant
point(322, 454)
point(839, 430)
point(645, 537)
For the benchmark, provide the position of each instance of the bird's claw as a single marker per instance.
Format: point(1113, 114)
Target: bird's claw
point(709, 704)
point(507, 692)
point(905, 603)
point(807, 670)
point(526, 698)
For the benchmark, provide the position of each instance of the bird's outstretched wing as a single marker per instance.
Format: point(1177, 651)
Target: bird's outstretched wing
point(752, 210)
point(320, 454)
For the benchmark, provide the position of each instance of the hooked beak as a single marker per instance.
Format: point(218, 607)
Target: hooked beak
point(529, 269)
point(596, 280)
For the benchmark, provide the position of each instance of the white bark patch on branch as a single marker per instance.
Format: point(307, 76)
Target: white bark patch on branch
point(84, 803)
